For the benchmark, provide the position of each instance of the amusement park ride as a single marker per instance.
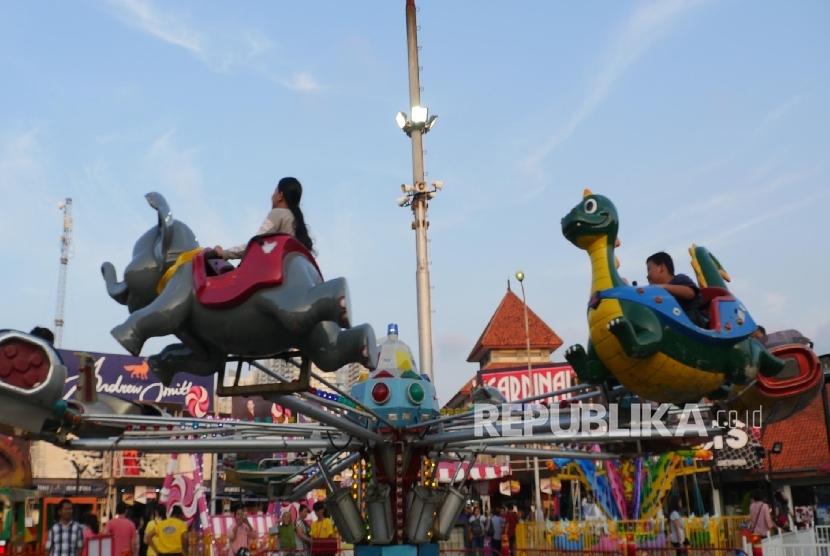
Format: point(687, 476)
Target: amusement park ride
point(276, 304)
point(641, 346)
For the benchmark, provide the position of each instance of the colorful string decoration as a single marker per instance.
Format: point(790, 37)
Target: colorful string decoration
point(332, 396)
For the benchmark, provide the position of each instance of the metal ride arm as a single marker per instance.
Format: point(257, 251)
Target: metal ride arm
point(163, 427)
point(280, 387)
point(314, 481)
point(468, 439)
point(209, 445)
point(363, 412)
point(549, 454)
point(344, 425)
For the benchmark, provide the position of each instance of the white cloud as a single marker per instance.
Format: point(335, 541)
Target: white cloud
point(738, 197)
point(750, 222)
point(18, 159)
point(778, 113)
point(175, 173)
point(166, 27)
point(770, 118)
point(775, 303)
point(257, 43)
point(23, 183)
point(646, 25)
point(302, 82)
point(220, 49)
point(173, 167)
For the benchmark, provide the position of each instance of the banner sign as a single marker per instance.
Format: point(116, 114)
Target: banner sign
point(67, 488)
point(515, 383)
point(258, 409)
point(130, 378)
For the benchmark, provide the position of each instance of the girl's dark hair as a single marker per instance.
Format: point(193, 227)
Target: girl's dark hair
point(292, 191)
point(675, 504)
point(91, 521)
point(161, 511)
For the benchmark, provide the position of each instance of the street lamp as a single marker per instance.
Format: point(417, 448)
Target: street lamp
point(420, 120)
point(520, 276)
point(418, 195)
point(777, 448)
point(79, 470)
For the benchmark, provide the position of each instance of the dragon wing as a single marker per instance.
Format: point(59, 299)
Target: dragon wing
point(710, 273)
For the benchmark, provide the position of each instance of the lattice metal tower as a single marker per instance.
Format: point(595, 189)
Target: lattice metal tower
point(66, 241)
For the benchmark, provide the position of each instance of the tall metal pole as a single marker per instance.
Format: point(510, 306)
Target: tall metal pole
point(419, 202)
point(539, 513)
point(66, 241)
point(214, 465)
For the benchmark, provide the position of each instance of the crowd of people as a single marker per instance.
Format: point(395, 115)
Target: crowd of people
point(160, 536)
point(297, 536)
point(167, 535)
point(488, 531)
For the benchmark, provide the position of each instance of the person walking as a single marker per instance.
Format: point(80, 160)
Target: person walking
point(159, 515)
point(478, 527)
point(782, 512)
point(678, 531)
point(242, 534)
point(286, 534)
point(66, 537)
point(495, 527)
point(125, 536)
point(89, 521)
point(169, 536)
point(302, 532)
point(760, 515)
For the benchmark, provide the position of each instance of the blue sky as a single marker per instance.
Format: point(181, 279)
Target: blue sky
point(705, 122)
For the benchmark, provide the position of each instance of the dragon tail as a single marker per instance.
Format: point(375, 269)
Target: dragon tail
point(708, 269)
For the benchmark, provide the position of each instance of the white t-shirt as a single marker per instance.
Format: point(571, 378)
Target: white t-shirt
point(590, 511)
point(678, 534)
point(279, 220)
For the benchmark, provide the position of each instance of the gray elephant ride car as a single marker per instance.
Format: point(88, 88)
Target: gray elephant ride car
point(274, 305)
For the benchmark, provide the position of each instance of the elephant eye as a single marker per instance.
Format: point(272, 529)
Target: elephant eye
point(590, 206)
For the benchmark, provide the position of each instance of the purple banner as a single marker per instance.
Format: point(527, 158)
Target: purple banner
point(130, 378)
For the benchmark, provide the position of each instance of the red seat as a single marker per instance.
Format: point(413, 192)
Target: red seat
point(801, 372)
point(324, 547)
point(711, 293)
point(261, 268)
point(711, 298)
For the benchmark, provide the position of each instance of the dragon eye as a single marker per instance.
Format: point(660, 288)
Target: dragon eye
point(590, 206)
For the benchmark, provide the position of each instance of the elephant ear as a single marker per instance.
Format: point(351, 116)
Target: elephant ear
point(165, 227)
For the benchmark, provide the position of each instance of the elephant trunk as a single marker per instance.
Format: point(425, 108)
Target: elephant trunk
point(117, 290)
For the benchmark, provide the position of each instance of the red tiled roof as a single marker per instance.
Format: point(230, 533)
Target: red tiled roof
point(467, 388)
point(804, 439)
point(463, 395)
point(506, 329)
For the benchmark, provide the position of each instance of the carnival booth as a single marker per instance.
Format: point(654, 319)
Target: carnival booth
point(19, 518)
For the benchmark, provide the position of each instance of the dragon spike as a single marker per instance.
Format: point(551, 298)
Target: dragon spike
point(586, 193)
point(616, 262)
point(617, 243)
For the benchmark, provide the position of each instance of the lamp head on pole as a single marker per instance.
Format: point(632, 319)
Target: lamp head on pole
point(520, 276)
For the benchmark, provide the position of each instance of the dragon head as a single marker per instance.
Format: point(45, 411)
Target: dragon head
point(594, 218)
